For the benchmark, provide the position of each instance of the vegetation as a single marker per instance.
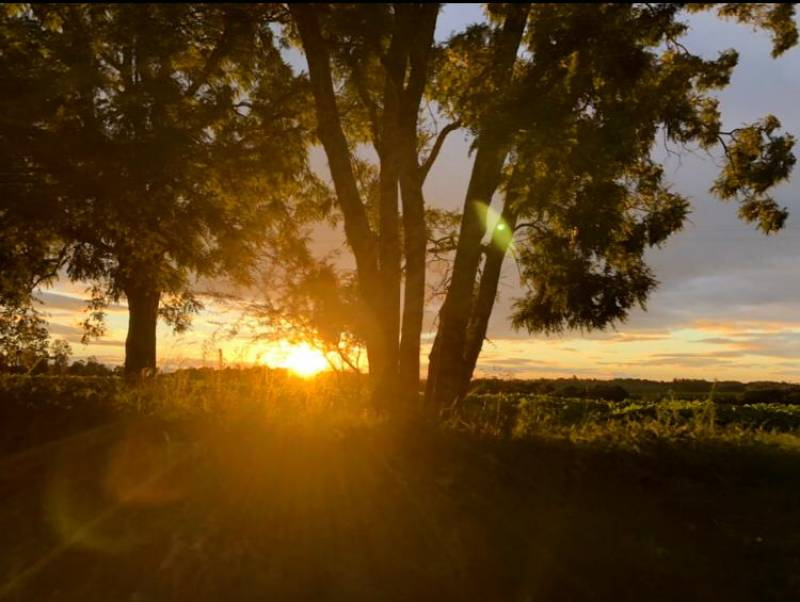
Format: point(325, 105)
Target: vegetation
point(520, 415)
point(156, 143)
point(621, 389)
point(254, 483)
point(165, 143)
point(564, 132)
point(561, 130)
point(152, 151)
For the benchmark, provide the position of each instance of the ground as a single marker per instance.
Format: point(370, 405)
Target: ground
point(145, 508)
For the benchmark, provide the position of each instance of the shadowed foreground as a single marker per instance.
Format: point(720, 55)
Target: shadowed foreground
point(142, 510)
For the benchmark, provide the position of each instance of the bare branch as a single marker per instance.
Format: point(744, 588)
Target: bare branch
point(437, 146)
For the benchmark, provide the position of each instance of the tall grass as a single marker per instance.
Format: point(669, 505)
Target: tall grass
point(628, 424)
point(261, 396)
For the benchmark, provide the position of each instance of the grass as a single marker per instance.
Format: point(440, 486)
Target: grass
point(255, 485)
point(631, 423)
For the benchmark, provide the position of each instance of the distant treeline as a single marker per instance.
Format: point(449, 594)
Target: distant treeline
point(85, 367)
point(620, 389)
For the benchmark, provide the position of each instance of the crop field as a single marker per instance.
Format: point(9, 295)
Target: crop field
point(624, 422)
point(256, 485)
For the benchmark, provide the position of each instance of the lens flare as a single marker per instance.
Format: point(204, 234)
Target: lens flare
point(498, 230)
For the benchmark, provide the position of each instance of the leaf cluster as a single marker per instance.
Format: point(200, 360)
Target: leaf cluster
point(593, 89)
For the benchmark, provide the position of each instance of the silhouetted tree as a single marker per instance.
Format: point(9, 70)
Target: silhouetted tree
point(60, 352)
point(144, 145)
point(153, 143)
point(368, 69)
point(566, 103)
point(23, 338)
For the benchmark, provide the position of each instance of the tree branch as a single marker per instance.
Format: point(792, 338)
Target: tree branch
point(218, 53)
point(363, 94)
point(329, 129)
point(437, 146)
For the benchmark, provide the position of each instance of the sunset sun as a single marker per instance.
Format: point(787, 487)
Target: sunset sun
point(303, 360)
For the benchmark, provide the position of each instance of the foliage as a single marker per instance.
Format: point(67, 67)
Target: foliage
point(581, 125)
point(60, 352)
point(90, 395)
point(23, 337)
point(621, 421)
point(319, 305)
point(566, 103)
point(778, 19)
point(620, 389)
point(295, 490)
point(150, 143)
point(231, 393)
point(90, 367)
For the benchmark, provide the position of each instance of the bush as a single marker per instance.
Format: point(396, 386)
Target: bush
point(608, 393)
point(34, 409)
point(763, 396)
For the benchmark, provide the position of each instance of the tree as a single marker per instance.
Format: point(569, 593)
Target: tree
point(60, 352)
point(565, 103)
point(23, 338)
point(378, 56)
point(150, 144)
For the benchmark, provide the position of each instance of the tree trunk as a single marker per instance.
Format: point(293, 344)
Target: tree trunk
point(412, 177)
point(359, 234)
point(140, 344)
point(329, 129)
point(448, 356)
point(394, 361)
point(389, 252)
point(487, 294)
point(415, 241)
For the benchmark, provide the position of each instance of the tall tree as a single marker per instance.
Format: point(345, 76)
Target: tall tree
point(566, 103)
point(378, 57)
point(149, 144)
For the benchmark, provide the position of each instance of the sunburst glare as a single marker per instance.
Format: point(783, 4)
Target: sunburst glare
point(300, 358)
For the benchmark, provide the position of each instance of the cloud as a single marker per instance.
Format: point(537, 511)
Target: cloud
point(59, 301)
point(72, 303)
point(744, 328)
point(519, 361)
point(54, 328)
point(97, 343)
point(637, 338)
point(775, 344)
point(678, 360)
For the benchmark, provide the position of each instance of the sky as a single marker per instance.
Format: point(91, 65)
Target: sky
point(728, 302)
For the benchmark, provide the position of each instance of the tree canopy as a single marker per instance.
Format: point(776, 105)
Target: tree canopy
point(566, 103)
point(147, 144)
point(150, 144)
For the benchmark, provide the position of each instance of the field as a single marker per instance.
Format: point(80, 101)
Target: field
point(253, 485)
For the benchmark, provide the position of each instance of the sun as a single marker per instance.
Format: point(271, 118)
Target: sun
point(304, 360)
